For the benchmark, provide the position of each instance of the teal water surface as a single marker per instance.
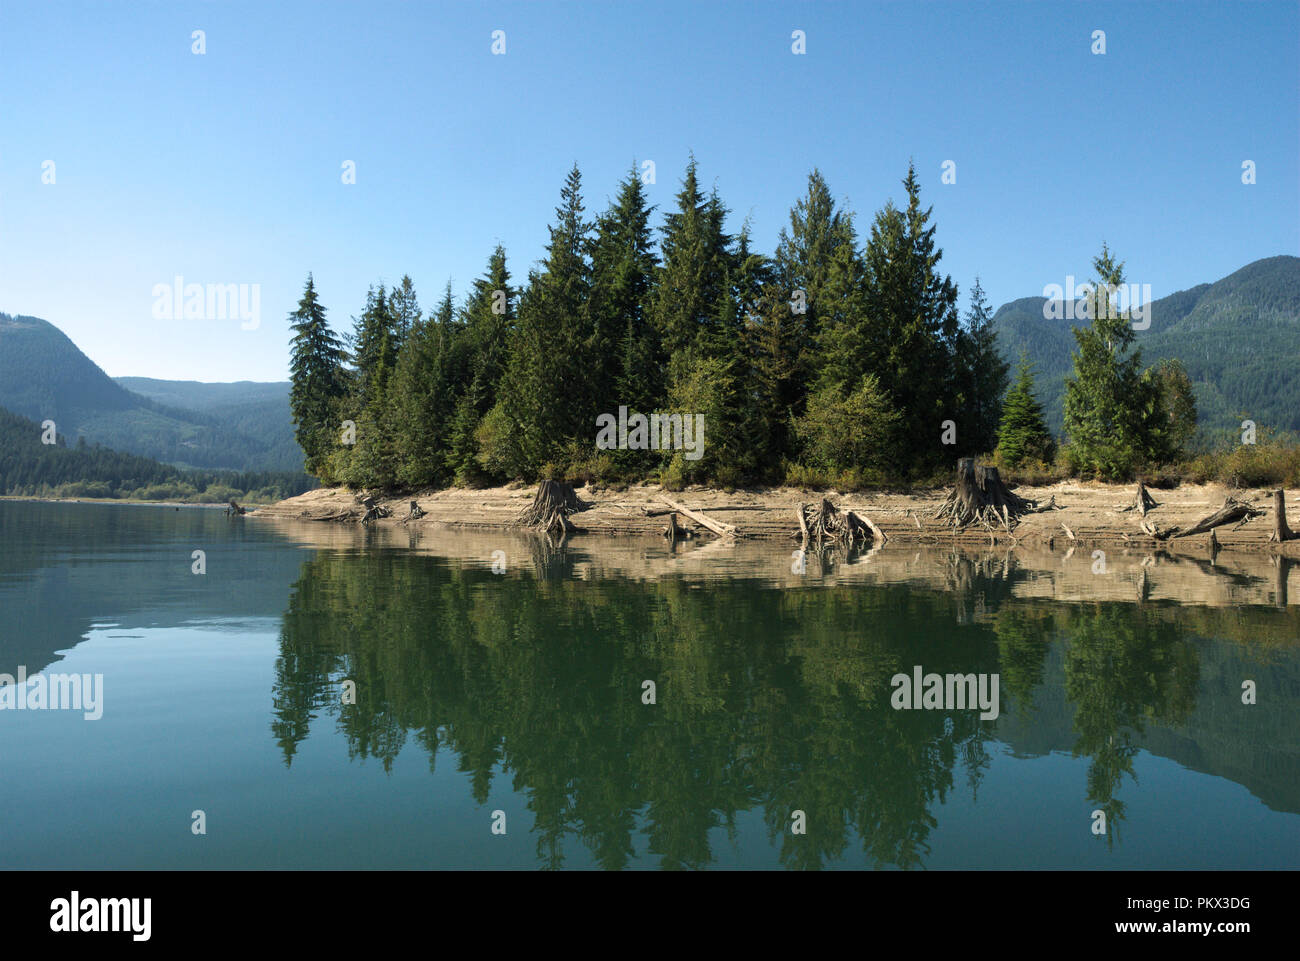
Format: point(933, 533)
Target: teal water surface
point(516, 700)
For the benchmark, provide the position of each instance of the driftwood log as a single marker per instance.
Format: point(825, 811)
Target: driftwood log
point(980, 497)
point(719, 528)
point(551, 507)
point(1232, 511)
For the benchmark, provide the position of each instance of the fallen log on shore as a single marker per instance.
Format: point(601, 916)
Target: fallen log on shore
point(719, 528)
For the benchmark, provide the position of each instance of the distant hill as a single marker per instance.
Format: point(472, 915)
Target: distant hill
point(44, 376)
point(1239, 339)
point(256, 410)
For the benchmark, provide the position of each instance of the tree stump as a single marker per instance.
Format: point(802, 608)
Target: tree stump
point(673, 531)
point(374, 509)
point(1281, 532)
point(828, 523)
point(1145, 502)
point(551, 506)
point(235, 509)
point(980, 497)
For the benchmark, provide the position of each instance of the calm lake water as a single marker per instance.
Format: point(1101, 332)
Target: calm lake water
point(521, 692)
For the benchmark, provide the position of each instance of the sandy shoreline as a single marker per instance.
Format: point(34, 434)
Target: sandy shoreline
point(1091, 511)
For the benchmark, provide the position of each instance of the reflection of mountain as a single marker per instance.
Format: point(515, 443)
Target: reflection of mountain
point(64, 567)
point(770, 700)
point(1256, 746)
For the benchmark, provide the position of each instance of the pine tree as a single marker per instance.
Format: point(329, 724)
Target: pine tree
point(548, 358)
point(430, 372)
point(1022, 432)
point(692, 278)
point(909, 336)
point(489, 325)
point(623, 264)
point(316, 369)
point(374, 337)
point(404, 308)
point(809, 266)
point(981, 376)
point(1113, 414)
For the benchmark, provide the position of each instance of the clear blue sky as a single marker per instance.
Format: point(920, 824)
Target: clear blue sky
point(225, 168)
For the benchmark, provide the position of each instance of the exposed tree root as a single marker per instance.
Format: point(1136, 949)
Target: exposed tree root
point(828, 524)
point(374, 509)
point(551, 507)
point(980, 497)
point(1145, 502)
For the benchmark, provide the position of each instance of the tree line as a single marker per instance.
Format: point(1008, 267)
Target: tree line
point(838, 359)
point(31, 468)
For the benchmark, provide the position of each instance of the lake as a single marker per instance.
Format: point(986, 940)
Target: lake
point(334, 697)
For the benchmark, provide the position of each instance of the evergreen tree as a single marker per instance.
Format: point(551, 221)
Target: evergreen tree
point(548, 358)
point(623, 263)
point(981, 376)
point(404, 308)
point(1113, 413)
point(430, 372)
point(809, 266)
point(316, 369)
point(375, 337)
point(1022, 432)
point(909, 336)
point(692, 278)
point(489, 324)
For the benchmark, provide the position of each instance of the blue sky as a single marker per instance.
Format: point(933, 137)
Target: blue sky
point(226, 168)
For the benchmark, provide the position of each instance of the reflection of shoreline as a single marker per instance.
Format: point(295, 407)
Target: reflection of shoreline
point(768, 700)
point(1131, 575)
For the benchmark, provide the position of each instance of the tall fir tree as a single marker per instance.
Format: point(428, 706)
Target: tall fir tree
point(404, 308)
point(692, 278)
point(981, 377)
point(316, 370)
point(811, 257)
point(489, 323)
point(911, 327)
point(1114, 416)
point(548, 357)
point(623, 263)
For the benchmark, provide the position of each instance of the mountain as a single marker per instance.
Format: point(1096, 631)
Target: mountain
point(44, 376)
point(252, 409)
point(1239, 339)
